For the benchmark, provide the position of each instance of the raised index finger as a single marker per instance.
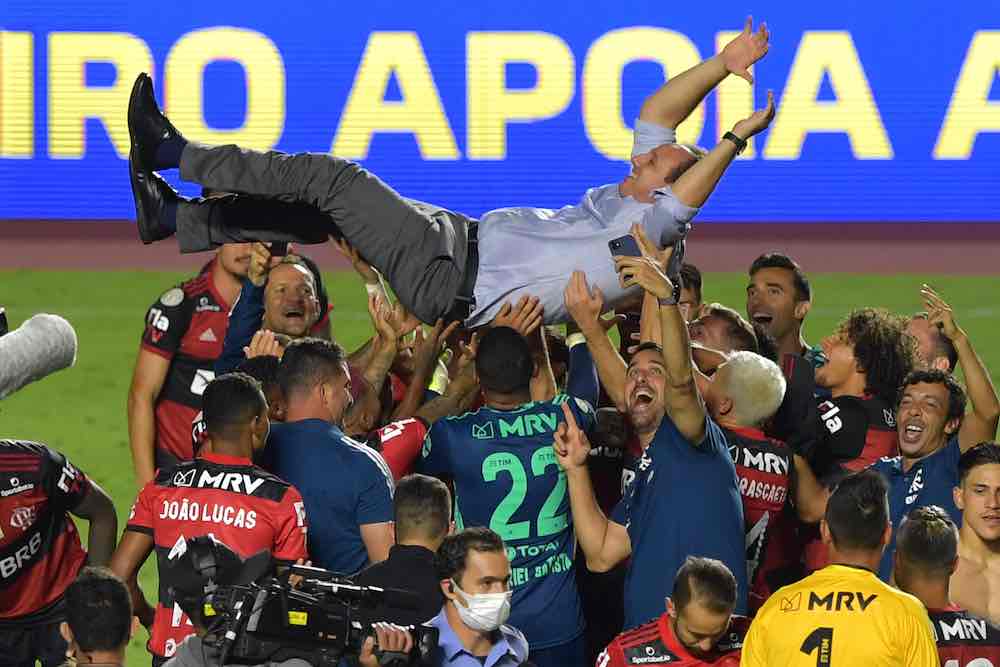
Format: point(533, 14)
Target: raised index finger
point(570, 418)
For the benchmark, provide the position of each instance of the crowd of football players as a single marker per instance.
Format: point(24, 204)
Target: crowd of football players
point(675, 483)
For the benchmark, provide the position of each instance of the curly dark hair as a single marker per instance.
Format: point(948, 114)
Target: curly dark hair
point(882, 348)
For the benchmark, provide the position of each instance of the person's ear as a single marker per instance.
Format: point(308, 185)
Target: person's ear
point(448, 589)
point(671, 607)
point(887, 534)
point(66, 633)
point(802, 309)
point(725, 406)
point(535, 369)
point(958, 497)
point(952, 425)
point(941, 364)
point(451, 528)
point(824, 532)
point(134, 627)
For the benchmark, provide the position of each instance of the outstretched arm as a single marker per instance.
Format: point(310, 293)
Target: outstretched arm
point(697, 183)
point(605, 543)
point(585, 305)
point(981, 423)
point(683, 400)
point(676, 99)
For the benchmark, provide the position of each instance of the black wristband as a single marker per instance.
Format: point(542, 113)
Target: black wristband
point(741, 144)
point(673, 299)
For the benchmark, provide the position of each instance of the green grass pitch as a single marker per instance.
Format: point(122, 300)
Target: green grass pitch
point(81, 412)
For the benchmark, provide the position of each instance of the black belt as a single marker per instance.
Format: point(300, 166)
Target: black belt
point(465, 302)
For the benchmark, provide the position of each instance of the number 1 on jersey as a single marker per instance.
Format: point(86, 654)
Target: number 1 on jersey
point(821, 641)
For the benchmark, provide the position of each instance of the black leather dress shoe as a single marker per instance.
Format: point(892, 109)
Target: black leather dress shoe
point(147, 126)
point(150, 193)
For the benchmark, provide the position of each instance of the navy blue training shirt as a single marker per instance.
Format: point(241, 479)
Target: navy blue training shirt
point(928, 482)
point(344, 484)
point(507, 478)
point(684, 501)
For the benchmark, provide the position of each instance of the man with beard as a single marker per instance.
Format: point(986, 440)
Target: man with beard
point(685, 464)
point(697, 629)
point(184, 335)
point(778, 299)
point(278, 295)
point(976, 582)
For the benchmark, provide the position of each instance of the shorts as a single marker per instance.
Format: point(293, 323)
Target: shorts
point(23, 646)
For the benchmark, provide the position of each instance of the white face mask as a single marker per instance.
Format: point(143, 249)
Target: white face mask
point(485, 611)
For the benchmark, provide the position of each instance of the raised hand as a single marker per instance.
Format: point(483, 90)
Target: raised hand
point(382, 317)
point(430, 344)
point(363, 268)
point(756, 122)
point(649, 249)
point(261, 263)
point(403, 320)
point(749, 47)
point(646, 272)
point(939, 313)
point(263, 344)
point(524, 318)
point(583, 303)
point(571, 445)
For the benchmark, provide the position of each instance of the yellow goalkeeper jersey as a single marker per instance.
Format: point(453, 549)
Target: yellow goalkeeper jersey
point(841, 616)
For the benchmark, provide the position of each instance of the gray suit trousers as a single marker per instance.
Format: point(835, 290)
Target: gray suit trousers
point(419, 248)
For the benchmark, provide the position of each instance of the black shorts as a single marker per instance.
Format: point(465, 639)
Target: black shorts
point(24, 645)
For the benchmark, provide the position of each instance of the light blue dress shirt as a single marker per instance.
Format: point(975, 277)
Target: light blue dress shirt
point(510, 649)
point(527, 251)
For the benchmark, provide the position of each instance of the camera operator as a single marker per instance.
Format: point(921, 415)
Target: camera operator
point(422, 510)
point(475, 579)
point(204, 563)
point(98, 621)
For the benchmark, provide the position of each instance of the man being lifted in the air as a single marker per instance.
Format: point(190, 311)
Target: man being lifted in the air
point(441, 263)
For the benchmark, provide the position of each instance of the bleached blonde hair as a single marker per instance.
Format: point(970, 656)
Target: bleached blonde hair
point(755, 385)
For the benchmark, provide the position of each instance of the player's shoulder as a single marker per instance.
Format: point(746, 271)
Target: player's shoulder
point(464, 417)
point(957, 627)
point(642, 645)
point(879, 411)
point(364, 455)
point(26, 451)
point(202, 474)
point(417, 426)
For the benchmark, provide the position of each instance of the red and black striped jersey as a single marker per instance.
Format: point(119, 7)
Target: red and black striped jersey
point(240, 504)
point(763, 466)
point(964, 640)
point(655, 644)
point(855, 432)
point(40, 552)
point(400, 443)
point(187, 325)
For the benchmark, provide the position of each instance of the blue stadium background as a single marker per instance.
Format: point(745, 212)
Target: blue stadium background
point(912, 54)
